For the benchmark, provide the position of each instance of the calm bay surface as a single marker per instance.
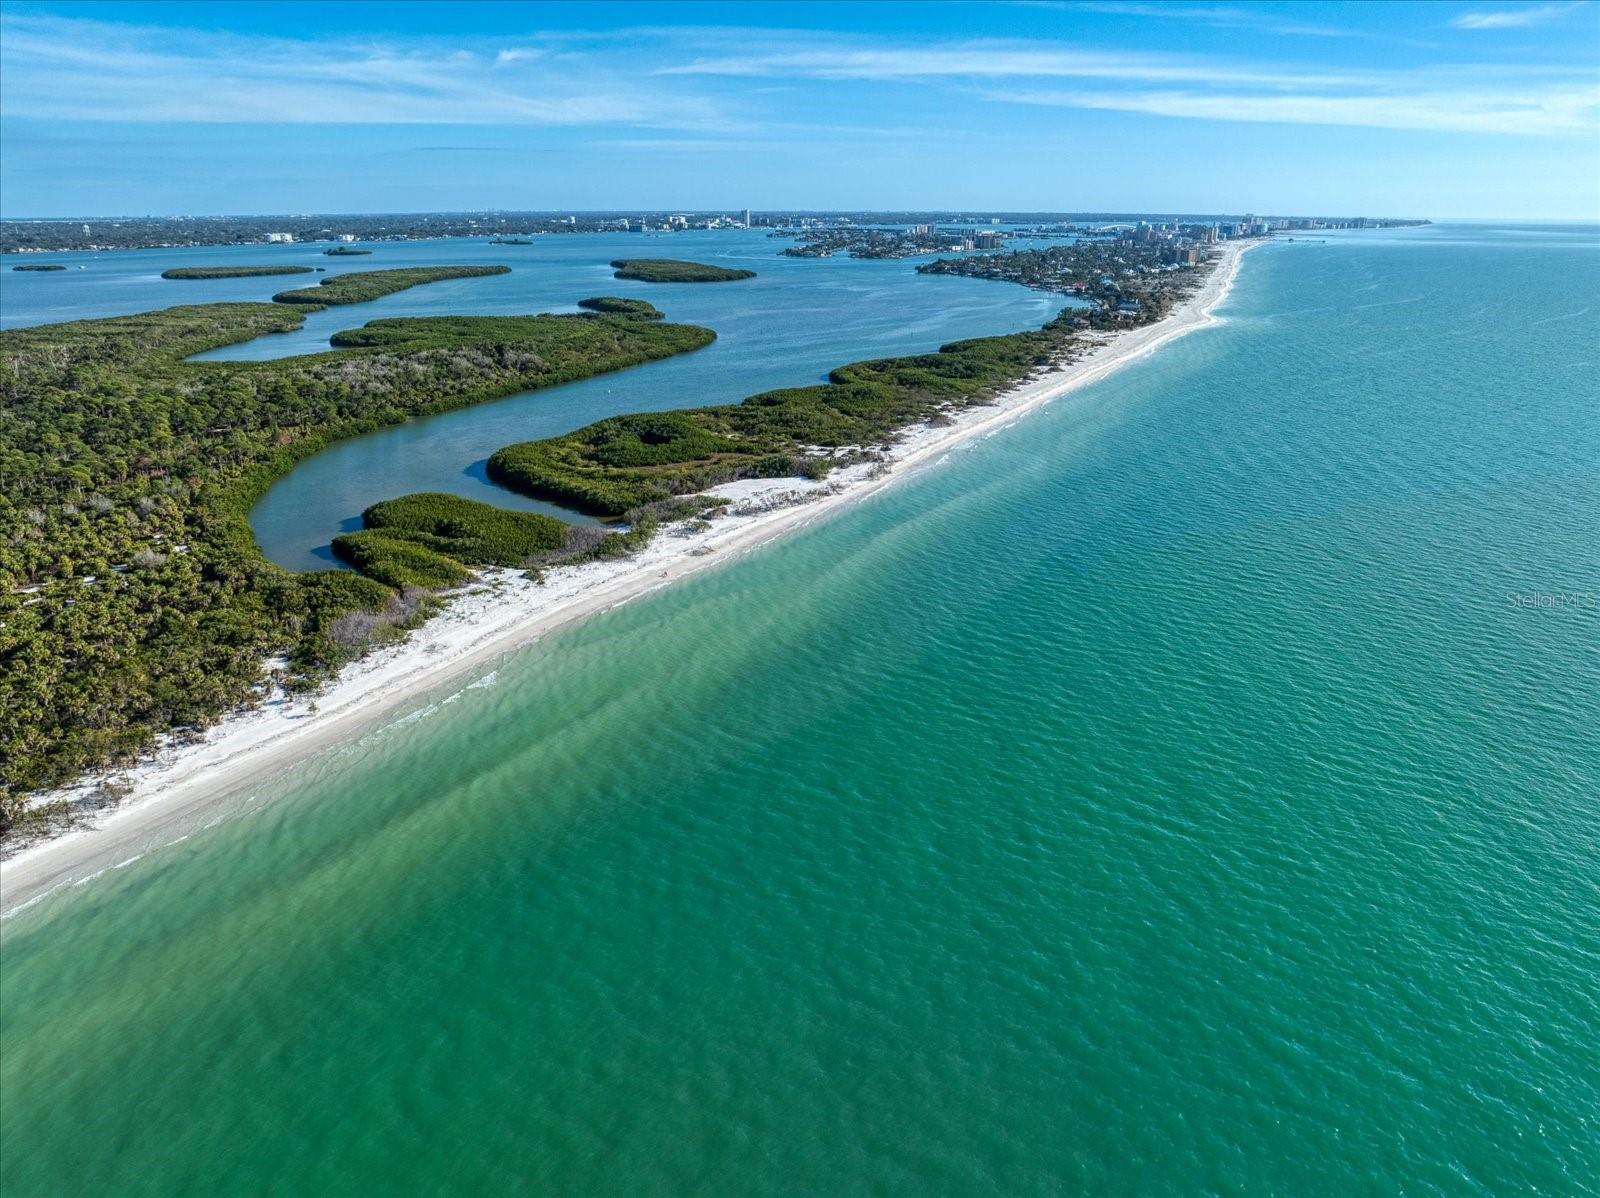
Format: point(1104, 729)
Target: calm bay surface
point(1192, 788)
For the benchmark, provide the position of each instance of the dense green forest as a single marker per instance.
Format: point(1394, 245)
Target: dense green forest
point(367, 285)
point(231, 272)
point(133, 598)
point(670, 270)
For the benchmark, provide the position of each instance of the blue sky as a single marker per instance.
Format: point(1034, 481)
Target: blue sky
point(1437, 109)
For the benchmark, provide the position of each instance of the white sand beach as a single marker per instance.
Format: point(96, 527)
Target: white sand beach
point(169, 793)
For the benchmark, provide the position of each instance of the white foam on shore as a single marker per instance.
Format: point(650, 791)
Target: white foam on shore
point(506, 612)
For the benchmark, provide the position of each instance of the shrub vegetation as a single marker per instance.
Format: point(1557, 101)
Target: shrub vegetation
point(231, 272)
point(616, 306)
point(397, 562)
point(366, 285)
point(670, 270)
point(467, 530)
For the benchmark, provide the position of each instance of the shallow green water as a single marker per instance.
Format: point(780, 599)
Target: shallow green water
point(1164, 795)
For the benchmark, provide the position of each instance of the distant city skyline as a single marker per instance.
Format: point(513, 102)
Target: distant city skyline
point(1439, 110)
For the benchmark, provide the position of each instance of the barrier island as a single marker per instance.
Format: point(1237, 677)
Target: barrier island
point(40, 267)
point(367, 285)
point(670, 270)
point(135, 600)
point(137, 594)
point(231, 272)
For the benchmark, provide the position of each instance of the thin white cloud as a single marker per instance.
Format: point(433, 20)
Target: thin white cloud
point(989, 59)
point(708, 84)
point(1511, 18)
point(85, 70)
point(1494, 100)
point(1221, 17)
point(1473, 111)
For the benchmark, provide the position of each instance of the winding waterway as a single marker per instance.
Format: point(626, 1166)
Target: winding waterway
point(1193, 788)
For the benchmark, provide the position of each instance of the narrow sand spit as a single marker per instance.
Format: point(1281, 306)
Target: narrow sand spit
point(172, 791)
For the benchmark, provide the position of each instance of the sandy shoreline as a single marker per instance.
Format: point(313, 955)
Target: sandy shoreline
point(507, 612)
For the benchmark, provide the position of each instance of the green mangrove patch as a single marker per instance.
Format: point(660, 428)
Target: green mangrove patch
point(231, 272)
point(431, 539)
point(366, 285)
point(671, 270)
point(616, 306)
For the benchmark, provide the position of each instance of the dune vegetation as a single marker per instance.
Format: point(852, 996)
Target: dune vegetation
point(231, 272)
point(670, 270)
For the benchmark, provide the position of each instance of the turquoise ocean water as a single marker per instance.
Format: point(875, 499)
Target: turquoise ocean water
point(1194, 788)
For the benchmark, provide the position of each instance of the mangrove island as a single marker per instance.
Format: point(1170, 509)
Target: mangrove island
point(670, 270)
point(367, 285)
point(231, 272)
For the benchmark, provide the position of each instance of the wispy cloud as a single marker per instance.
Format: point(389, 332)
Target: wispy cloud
point(86, 70)
point(1221, 17)
point(1473, 111)
point(1512, 18)
point(988, 59)
point(1257, 18)
point(1448, 99)
point(712, 84)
